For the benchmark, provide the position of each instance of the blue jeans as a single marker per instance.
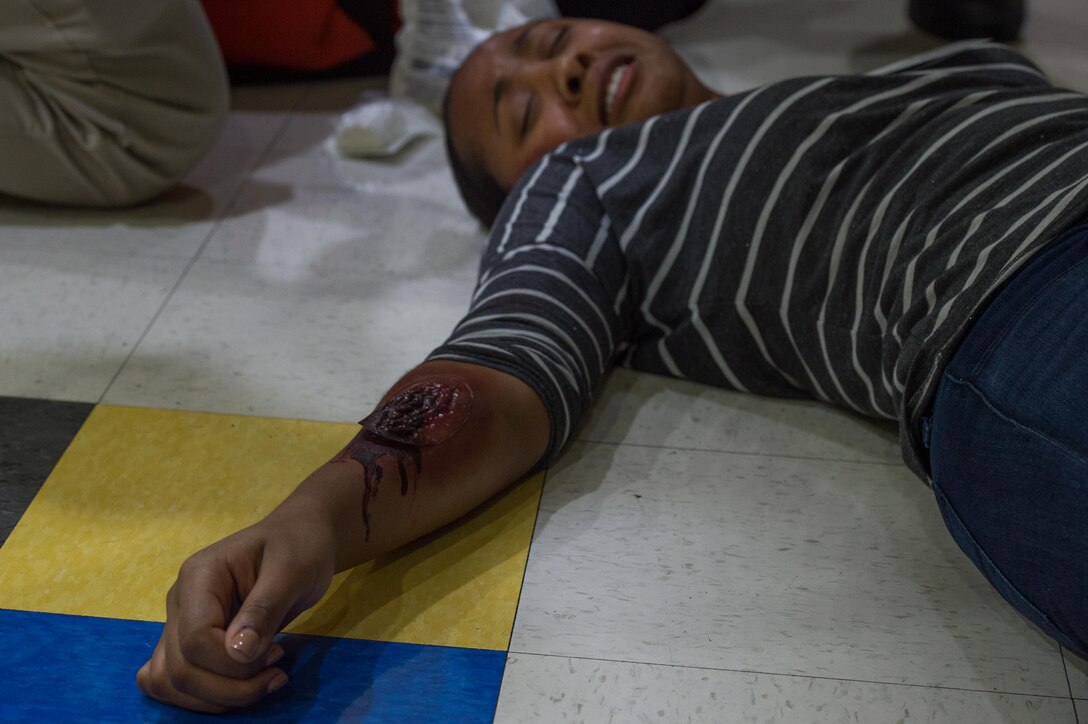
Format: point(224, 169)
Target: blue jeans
point(1008, 441)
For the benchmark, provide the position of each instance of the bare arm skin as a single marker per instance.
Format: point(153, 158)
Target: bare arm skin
point(503, 435)
point(446, 437)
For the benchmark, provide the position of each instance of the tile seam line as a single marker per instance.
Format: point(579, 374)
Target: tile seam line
point(650, 446)
point(795, 676)
point(349, 639)
point(213, 413)
point(269, 145)
point(521, 588)
point(1068, 681)
point(528, 553)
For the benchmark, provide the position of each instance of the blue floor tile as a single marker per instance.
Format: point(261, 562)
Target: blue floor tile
point(82, 669)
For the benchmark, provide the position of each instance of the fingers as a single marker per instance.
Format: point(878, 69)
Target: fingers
point(198, 607)
point(201, 690)
point(172, 677)
point(191, 684)
point(270, 604)
point(212, 659)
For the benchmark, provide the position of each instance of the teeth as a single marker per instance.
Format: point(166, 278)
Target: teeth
point(613, 87)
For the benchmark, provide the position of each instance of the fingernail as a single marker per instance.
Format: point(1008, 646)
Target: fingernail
point(246, 642)
point(277, 682)
point(275, 655)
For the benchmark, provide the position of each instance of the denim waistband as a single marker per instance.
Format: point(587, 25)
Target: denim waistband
point(1015, 295)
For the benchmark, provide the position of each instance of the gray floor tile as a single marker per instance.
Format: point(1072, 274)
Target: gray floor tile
point(71, 318)
point(554, 689)
point(1077, 669)
point(776, 565)
point(33, 436)
point(291, 342)
point(644, 409)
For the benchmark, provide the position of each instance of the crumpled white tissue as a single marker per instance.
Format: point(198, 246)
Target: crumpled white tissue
point(381, 127)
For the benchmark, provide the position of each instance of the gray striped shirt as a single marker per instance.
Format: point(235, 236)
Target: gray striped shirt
point(826, 237)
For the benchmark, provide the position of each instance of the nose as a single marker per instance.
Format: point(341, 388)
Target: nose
point(564, 76)
point(570, 75)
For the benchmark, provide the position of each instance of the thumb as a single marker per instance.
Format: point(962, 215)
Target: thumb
point(261, 615)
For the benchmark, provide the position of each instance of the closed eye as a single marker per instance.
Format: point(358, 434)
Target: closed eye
point(526, 116)
point(559, 41)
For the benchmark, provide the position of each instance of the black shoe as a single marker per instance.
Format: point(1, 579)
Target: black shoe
point(645, 15)
point(959, 19)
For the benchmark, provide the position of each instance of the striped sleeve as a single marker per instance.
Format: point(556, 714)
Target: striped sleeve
point(546, 306)
point(997, 61)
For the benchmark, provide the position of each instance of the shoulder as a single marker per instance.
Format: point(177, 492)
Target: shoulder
point(555, 200)
point(971, 56)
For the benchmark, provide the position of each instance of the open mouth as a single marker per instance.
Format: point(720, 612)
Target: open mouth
point(614, 91)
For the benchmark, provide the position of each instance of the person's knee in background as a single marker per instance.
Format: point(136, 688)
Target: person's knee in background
point(104, 104)
point(181, 105)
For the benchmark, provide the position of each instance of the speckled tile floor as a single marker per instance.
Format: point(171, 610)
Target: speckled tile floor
point(697, 555)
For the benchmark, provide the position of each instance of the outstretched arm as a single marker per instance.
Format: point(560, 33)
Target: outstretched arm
point(444, 439)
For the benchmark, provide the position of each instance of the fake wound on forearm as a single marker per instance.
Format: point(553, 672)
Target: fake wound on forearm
point(426, 413)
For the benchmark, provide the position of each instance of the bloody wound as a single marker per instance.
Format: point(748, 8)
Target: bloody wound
point(424, 414)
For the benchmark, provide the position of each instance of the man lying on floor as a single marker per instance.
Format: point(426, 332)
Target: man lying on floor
point(910, 244)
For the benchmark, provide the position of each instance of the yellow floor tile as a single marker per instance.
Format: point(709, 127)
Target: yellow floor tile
point(140, 489)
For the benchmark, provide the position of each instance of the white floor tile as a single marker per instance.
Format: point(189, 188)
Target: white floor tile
point(1082, 710)
point(1053, 37)
point(401, 195)
point(556, 689)
point(418, 174)
point(290, 341)
point(173, 225)
point(1077, 668)
point(737, 44)
point(260, 112)
point(70, 319)
point(648, 410)
point(373, 237)
point(320, 109)
point(366, 217)
point(308, 168)
point(327, 279)
point(775, 565)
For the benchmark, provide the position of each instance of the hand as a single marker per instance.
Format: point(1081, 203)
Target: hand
point(230, 599)
point(216, 651)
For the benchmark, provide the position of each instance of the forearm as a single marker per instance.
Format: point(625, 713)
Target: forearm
point(443, 440)
point(396, 482)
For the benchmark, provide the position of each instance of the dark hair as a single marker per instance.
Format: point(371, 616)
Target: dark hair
point(480, 191)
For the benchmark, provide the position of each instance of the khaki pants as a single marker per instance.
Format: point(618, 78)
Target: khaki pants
point(105, 102)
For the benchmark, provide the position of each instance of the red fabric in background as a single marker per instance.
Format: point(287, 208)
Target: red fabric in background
point(296, 34)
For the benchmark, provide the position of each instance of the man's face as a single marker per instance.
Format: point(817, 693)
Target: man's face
point(527, 90)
